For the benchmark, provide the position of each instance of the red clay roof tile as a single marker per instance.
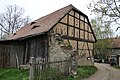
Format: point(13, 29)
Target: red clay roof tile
point(43, 24)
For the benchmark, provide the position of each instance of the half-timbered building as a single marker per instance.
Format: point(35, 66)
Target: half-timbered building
point(33, 39)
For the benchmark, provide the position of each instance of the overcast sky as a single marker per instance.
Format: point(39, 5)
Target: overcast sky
point(38, 8)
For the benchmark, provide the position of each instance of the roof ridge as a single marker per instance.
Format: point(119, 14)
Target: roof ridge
point(55, 11)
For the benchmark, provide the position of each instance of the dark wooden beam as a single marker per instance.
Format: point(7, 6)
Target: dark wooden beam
point(67, 24)
point(89, 52)
point(77, 45)
point(76, 39)
point(58, 21)
point(26, 53)
point(84, 28)
point(77, 18)
point(74, 27)
point(79, 27)
point(85, 49)
point(88, 33)
point(74, 23)
point(82, 48)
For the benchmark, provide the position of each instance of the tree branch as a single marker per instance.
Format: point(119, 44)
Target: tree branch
point(4, 31)
point(112, 9)
point(116, 7)
point(3, 26)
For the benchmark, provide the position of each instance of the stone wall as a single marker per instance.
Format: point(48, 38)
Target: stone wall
point(59, 52)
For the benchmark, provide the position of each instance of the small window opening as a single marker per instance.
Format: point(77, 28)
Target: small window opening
point(14, 34)
point(35, 26)
point(32, 23)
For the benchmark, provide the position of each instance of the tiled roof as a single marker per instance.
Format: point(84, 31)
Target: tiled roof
point(42, 24)
point(111, 42)
point(115, 43)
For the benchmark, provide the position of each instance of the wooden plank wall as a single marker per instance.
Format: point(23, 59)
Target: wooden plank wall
point(4, 56)
point(34, 47)
point(37, 47)
point(8, 55)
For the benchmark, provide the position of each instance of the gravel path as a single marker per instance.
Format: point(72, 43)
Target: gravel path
point(105, 72)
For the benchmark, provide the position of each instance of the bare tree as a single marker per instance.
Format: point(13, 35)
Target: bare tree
point(109, 10)
point(12, 20)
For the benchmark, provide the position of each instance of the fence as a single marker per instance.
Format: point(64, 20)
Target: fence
point(40, 70)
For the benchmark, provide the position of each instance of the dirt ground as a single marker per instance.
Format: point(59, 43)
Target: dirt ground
point(105, 72)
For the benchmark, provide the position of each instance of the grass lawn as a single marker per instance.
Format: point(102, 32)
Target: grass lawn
point(83, 72)
point(13, 74)
point(86, 71)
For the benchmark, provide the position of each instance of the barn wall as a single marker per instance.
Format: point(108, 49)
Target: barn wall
point(19, 53)
point(9, 54)
point(36, 47)
point(4, 55)
point(75, 25)
point(76, 31)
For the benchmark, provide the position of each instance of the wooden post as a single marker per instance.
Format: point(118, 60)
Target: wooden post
point(32, 68)
point(26, 53)
point(17, 61)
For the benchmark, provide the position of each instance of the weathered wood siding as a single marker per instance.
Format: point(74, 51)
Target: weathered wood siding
point(19, 53)
point(10, 54)
point(36, 47)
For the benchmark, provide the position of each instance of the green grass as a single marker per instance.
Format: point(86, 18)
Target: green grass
point(86, 71)
point(83, 72)
point(13, 74)
point(48, 74)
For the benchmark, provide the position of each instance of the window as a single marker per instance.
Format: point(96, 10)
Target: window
point(82, 17)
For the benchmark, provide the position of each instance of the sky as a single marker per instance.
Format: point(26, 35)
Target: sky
point(38, 8)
